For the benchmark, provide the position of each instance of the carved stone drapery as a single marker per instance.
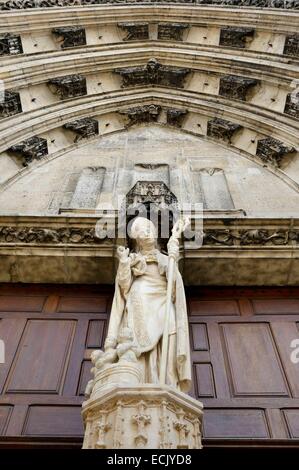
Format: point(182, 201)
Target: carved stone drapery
point(84, 128)
point(291, 45)
point(153, 73)
point(68, 86)
point(11, 104)
point(222, 129)
point(292, 105)
point(171, 31)
point(135, 31)
point(10, 44)
point(272, 151)
point(235, 37)
point(142, 114)
point(150, 192)
point(72, 36)
point(31, 149)
point(235, 87)
point(24, 4)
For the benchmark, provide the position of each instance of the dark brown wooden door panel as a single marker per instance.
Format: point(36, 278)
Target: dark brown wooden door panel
point(240, 341)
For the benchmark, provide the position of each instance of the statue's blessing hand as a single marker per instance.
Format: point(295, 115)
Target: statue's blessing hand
point(122, 253)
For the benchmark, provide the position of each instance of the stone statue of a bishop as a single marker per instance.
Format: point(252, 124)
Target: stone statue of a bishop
point(139, 307)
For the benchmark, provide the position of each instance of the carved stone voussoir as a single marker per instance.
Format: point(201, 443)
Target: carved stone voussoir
point(143, 416)
point(222, 129)
point(11, 104)
point(31, 149)
point(153, 73)
point(292, 105)
point(235, 37)
point(69, 86)
point(272, 151)
point(141, 114)
point(84, 128)
point(232, 86)
point(171, 31)
point(135, 31)
point(72, 36)
point(291, 45)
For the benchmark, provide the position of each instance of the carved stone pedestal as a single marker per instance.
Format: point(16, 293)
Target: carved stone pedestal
point(144, 416)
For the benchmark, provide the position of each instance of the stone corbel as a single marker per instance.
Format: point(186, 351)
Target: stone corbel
point(172, 31)
point(291, 45)
point(235, 37)
point(235, 87)
point(135, 31)
point(272, 151)
point(11, 104)
point(292, 105)
point(31, 149)
point(175, 117)
point(222, 129)
point(72, 36)
point(141, 114)
point(84, 128)
point(69, 86)
point(10, 44)
point(153, 73)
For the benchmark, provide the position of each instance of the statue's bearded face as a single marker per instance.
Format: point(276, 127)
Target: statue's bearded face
point(144, 231)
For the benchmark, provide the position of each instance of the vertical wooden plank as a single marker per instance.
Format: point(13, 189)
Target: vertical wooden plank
point(17, 420)
point(77, 354)
point(276, 424)
point(218, 362)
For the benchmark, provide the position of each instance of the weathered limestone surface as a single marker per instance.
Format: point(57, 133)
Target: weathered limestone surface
point(142, 417)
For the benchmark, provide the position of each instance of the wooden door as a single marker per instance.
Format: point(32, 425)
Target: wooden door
point(242, 369)
point(240, 341)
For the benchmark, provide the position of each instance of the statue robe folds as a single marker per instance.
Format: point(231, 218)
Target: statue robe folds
point(140, 304)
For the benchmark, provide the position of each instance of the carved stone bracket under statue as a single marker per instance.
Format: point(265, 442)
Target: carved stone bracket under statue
point(144, 416)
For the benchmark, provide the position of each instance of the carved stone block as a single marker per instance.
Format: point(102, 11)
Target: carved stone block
point(150, 192)
point(153, 73)
point(10, 44)
point(235, 37)
point(222, 129)
point(291, 45)
point(69, 86)
point(84, 128)
point(135, 31)
point(11, 104)
point(142, 114)
point(31, 149)
point(232, 86)
point(72, 36)
point(142, 416)
point(175, 117)
point(292, 105)
point(171, 31)
point(272, 151)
